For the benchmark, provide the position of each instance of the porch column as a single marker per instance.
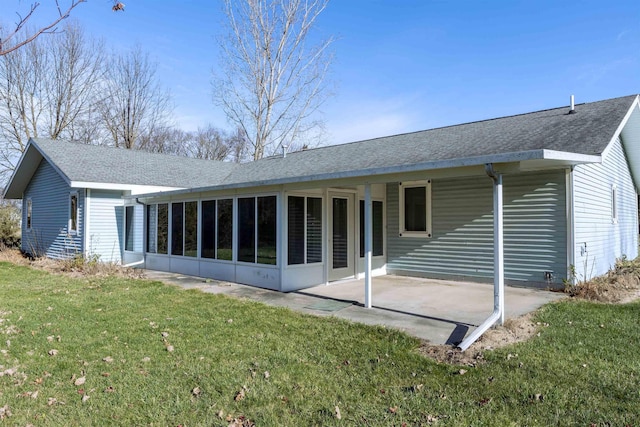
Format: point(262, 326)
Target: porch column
point(368, 240)
point(498, 247)
point(498, 263)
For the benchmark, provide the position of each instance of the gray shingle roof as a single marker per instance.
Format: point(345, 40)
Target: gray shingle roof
point(586, 132)
point(92, 163)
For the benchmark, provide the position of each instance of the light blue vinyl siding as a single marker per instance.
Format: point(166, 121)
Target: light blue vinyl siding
point(598, 240)
point(462, 221)
point(106, 225)
point(49, 234)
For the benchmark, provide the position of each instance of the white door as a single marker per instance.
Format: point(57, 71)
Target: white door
point(341, 236)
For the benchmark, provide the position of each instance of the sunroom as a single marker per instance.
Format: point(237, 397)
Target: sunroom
point(281, 239)
point(435, 223)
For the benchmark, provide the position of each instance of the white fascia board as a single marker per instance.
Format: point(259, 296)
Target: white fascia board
point(440, 164)
point(571, 157)
point(134, 189)
point(635, 104)
point(8, 190)
point(30, 151)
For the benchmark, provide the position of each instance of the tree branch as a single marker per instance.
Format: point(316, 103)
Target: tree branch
point(6, 48)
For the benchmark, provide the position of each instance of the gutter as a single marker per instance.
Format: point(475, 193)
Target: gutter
point(539, 154)
point(498, 263)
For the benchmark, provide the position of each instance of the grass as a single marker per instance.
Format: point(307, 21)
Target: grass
point(235, 360)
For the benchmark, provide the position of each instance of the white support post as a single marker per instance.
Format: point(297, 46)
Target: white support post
point(498, 263)
point(498, 248)
point(368, 243)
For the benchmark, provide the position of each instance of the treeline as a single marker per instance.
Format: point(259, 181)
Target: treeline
point(69, 86)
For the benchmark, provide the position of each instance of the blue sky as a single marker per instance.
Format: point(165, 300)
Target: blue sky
point(402, 66)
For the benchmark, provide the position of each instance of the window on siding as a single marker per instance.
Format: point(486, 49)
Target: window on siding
point(614, 204)
point(257, 231)
point(73, 213)
point(128, 228)
point(415, 209)
point(378, 229)
point(304, 232)
point(29, 213)
point(163, 228)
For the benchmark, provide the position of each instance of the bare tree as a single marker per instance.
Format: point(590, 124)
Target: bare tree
point(209, 143)
point(238, 146)
point(75, 68)
point(135, 105)
point(166, 140)
point(15, 38)
point(272, 80)
point(47, 89)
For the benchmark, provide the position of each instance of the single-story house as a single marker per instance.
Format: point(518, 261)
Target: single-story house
point(563, 181)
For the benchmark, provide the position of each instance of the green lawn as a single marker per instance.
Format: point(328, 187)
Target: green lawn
point(279, 368)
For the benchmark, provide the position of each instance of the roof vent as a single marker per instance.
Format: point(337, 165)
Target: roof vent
point(573, 105)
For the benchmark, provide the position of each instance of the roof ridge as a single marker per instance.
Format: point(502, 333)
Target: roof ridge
point(110, 147)
point(453, 126)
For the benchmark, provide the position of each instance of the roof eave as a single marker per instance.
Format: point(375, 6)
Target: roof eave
point(570, 158)
point(17, 182)
point(134, 188)
point(635, 104)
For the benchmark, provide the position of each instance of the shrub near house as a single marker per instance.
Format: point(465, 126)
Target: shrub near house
point(9, 225)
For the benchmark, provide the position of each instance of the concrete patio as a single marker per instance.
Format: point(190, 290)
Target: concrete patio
point(439, 311)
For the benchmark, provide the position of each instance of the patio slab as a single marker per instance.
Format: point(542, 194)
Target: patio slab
point(440, 311)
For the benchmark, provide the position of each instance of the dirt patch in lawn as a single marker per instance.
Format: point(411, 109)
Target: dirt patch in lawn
point(514, 330)
point(620, 285)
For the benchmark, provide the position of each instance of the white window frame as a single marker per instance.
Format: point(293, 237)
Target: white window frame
point(74, 231)
point(29, 218)
point(126, 235)
point(614, 204)
point(236, 228)
point(306, 196)
point(413, 184)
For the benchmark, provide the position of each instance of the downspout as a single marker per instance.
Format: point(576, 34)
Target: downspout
point(498, 262)
point(133, 264)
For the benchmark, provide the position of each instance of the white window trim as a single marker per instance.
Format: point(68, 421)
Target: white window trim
point(29, 217)
point(236, 228)
point(305, 196)
point(412, 184)
point(125, 227)
point(614, 204)
point(69, 229)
